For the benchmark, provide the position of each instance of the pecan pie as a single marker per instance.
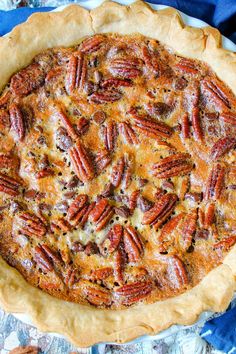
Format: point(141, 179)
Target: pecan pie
point(118, 171)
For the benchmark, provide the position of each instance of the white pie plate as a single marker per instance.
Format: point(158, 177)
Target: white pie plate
point(227, 44)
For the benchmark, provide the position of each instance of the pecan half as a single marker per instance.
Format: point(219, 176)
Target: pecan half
point(128, 68)
point(185, 126)
point(101, 273)
point(177, 272)
point(216, 93)
point(128, 133)
point(128, 171)
point(42, 259)
point(60, 225)
point(109, 134)
point(165, 236)
point(173, 165)
point(117, 172)
point(192, 95)
point(112, 239)
point(80, 201)
point(5, 98)
point(201, 217)
point(81, 162)
point(188, 229)
point(222, 146)
point(92, 44)
point(161, 210)
point(151, 60)
point(228, 117)
point(119, 265)
point(51, 254)
point(122, 171)
point(152, 128)
point(134, 292)
point(209, 216)
point(95, 294)
point(66, 122)
point(196, 123)
point(71, 276)
point(105, 96)
point(108, 191)
point(102, 160)
point(32, 225)
point(225, 244)
point(187, 66)
point(53, 74)
point(101, 213)
point(27, 80)
point(9, 185)
point(133, 200)
point(82, 216)
point(76, 73)
point(17, 121)
point(115, 82)
point(215, 182)
point(133, 244)
point(4, 119)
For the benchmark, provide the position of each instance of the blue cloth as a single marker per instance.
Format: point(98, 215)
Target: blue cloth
point(218, 13)
point(221, 332)
point(9, 19)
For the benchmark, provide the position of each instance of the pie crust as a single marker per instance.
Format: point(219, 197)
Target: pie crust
point(85, 325)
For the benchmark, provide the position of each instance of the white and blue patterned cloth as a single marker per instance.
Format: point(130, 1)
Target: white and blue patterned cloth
point(15, 333)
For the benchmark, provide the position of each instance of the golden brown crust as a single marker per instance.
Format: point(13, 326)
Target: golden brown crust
point(167, 26)
point(216, 289)
point(26, 41)
point(77, 321)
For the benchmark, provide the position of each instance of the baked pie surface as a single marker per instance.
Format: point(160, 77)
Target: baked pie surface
point(118, 174)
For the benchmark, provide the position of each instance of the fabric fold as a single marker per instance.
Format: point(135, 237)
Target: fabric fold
point(220, 332)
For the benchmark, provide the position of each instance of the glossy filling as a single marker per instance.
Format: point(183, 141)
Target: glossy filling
point(118, 171)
